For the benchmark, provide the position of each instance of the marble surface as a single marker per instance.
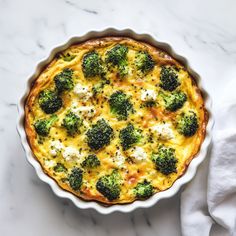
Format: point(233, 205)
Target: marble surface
point(203, 31)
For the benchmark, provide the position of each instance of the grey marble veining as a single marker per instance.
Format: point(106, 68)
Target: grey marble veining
point(203, 31)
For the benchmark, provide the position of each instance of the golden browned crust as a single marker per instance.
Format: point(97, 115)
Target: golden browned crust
point(42, 82)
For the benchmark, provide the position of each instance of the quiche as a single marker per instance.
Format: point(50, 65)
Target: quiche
point(114, 120)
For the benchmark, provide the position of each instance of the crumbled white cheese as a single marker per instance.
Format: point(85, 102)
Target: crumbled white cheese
point(56, 146)
point(163, 131)
point(82, 92)
point(49, 163)
point(119, 158)
point(70, 153)
point(148, 95)
point(85, 111)
point(139, 154)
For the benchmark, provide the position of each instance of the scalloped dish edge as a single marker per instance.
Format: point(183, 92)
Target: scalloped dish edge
point(192, 168)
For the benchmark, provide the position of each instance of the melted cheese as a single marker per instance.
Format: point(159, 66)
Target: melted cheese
point(58, 147)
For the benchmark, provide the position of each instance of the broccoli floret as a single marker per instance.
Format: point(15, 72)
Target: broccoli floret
point(109, 185)
point(72, 123)
point(123, 69)
point(129, 136)
point(169, 78)
point(175, 100)
point(75, 178)
point(165, 160)
point(59, 167)
point(120, 105)
point(64, 81)
point(117, 56)
point(91, 161)
point(92, 65)
point(144, 62)
point(99, 135)
point(49, 101)
point(143, 190)
point(43, 126)
point(187, 124)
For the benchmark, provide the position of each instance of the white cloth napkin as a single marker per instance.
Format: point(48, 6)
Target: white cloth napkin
point(208, 203)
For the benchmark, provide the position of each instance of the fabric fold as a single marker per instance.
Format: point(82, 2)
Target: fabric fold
point(208, 203)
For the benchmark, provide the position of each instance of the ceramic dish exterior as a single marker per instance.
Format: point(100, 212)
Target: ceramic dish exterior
point(190, 172)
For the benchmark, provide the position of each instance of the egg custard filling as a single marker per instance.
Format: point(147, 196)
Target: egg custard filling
point(115, 120)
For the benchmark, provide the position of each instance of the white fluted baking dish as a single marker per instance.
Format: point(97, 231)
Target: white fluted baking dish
point(191, 170)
